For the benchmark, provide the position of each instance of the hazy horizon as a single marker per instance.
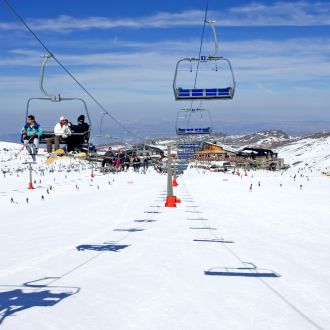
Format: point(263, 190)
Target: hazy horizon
point(125, 55)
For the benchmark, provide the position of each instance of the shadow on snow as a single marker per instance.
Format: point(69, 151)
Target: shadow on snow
point(30, 294)
point(216, 240)
point(102, 247)
point(250, 270)
point(145, 220)
point(130, 230)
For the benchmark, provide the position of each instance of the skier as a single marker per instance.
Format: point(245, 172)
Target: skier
point(31, 133)
point(61, 132)
point(82, 128)
point(108, 157)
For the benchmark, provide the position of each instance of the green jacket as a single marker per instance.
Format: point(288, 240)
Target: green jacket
point(35, 129)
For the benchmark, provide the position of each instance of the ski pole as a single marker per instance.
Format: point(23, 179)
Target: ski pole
point(23, 146)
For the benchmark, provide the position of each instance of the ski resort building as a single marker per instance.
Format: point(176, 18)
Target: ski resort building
point(262, 158)
point(212, 151)
point(248, 157)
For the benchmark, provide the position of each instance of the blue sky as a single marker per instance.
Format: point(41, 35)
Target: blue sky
point(125, 53)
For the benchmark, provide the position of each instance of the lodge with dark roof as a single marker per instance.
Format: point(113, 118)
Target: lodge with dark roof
point(248, 157)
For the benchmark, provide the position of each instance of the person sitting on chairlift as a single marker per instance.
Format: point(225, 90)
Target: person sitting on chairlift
point(79, 130)
point(61, 131)
point(108, 157)
point(31, 133)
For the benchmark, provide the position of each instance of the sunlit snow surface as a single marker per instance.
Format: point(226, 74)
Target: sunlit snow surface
point(103, 252)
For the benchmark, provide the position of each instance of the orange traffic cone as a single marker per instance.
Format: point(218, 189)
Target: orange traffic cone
point(170, 201)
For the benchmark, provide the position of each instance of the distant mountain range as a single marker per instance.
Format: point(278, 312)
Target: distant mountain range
point(268, 139)
point(310, 151)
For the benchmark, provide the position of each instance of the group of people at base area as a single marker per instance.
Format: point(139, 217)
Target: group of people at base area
point(119, 160)
point(64, 132)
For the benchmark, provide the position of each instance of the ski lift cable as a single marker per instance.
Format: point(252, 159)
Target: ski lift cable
point(202, 39)
point(66, 70)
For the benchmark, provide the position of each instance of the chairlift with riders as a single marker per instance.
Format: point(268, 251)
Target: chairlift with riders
point(85, 145)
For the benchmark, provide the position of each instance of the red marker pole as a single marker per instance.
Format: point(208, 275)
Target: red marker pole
point(30, 170)
point(174, 183)
point(170, 199)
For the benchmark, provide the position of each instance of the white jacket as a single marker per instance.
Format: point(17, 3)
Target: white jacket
point(63, 130)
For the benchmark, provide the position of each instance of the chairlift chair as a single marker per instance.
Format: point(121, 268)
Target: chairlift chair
point(216, 80)
point(203, 92)
point(193, 122)
point(86, 146)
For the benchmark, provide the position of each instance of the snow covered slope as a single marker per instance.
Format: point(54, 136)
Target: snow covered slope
point(102, 252)
point(308, 153)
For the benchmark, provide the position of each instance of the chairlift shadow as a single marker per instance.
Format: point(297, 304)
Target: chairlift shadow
point(197, 219)
point(215, 240)
point(145, 220)
point(130, 230)
point(209, 228)
point(102, 247)
point(250, 270)
point(17, 298)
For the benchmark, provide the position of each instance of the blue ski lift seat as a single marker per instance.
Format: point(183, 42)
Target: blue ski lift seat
point(212, 93)
point(188, 131)
point(193, 121)
point(206, 93)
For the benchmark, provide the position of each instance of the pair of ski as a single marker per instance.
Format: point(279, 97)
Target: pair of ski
point(54, 155)
point(60, 152)
point(30, 147)
point(32, 150)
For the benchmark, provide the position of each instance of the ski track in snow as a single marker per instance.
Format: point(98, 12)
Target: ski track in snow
point(104, 252)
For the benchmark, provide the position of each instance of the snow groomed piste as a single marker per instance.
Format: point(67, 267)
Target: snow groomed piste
point(224, 257)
